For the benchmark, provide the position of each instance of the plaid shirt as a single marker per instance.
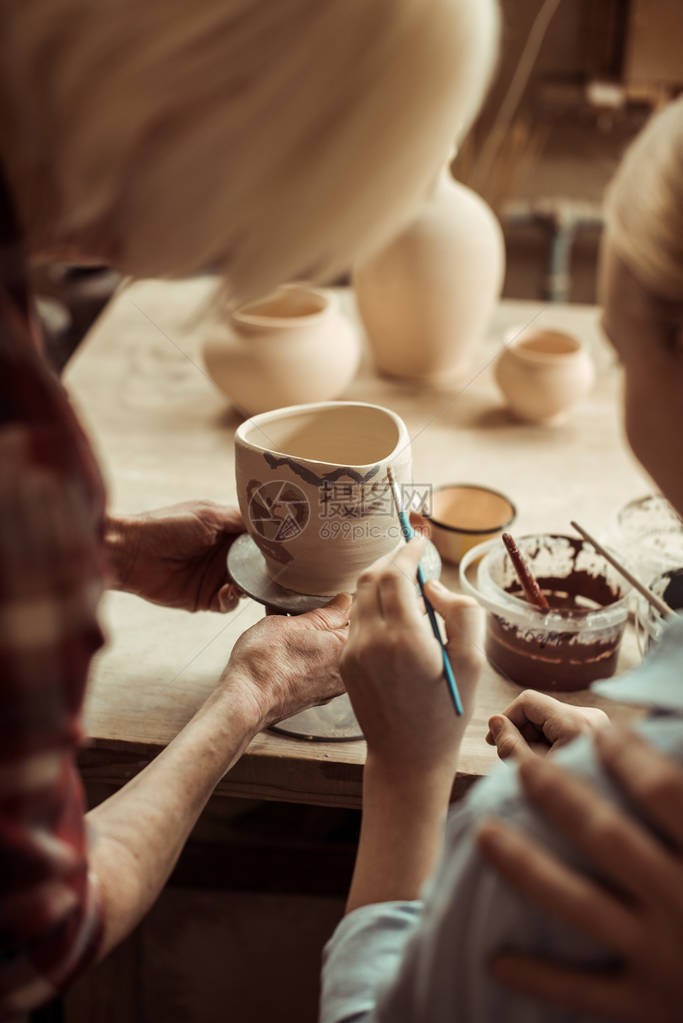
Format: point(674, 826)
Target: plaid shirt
point(51, 577)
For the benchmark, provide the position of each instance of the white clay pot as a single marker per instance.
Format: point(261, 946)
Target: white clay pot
point(427, 298)
point(311, 485)
point(543, 374)
point(294, 346)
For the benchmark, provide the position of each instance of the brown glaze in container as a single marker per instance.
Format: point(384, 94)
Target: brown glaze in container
point(578, 641)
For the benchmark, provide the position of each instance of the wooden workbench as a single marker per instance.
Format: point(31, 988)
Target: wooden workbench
point(164, 434)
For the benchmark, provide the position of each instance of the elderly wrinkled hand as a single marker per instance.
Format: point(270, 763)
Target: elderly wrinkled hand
point(284, 665)
point(177, 556)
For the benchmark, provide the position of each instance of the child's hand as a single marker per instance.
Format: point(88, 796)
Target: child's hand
point(393, 668)
point(537, 723)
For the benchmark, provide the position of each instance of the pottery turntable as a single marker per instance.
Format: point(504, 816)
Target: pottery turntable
point(334, 721)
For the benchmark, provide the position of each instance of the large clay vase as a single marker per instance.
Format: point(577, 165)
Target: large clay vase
point(294, 346)
point(427, 298)
point(312, 489)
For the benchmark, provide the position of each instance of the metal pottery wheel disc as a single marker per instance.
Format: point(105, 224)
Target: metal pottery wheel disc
point(247, 568)
point(335, 721)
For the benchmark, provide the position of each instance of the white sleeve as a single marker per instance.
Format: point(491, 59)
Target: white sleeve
point(363, 957)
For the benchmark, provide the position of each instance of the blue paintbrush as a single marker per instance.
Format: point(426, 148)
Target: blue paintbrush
point(408, 534)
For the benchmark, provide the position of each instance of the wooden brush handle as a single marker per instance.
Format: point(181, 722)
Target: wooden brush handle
point(533, 591)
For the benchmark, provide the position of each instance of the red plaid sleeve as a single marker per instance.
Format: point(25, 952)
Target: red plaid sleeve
point(50, 582)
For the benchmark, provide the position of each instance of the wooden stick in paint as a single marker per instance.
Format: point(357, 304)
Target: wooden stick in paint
point(533, 591)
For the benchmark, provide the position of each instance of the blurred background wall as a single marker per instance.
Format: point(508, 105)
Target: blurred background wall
point(577, 79)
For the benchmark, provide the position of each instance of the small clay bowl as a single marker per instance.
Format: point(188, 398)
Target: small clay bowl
point(466, 514)
point(543, 374)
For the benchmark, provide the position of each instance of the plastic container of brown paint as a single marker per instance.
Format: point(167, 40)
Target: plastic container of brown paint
point(571, 646)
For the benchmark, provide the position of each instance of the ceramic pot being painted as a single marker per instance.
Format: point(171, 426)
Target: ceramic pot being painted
point(294, 346)
point(543, 374)
point(426, 299)
point(311, 485)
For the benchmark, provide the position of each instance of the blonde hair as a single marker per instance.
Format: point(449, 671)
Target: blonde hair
point(644, 205)
point(267, 139)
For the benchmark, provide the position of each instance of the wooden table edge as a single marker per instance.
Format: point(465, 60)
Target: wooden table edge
point(270, 778)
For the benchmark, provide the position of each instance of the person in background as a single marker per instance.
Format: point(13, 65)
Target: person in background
point(405, 953)
point(263, 141)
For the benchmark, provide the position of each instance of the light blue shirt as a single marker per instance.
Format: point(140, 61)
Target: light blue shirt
point(427, 962)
